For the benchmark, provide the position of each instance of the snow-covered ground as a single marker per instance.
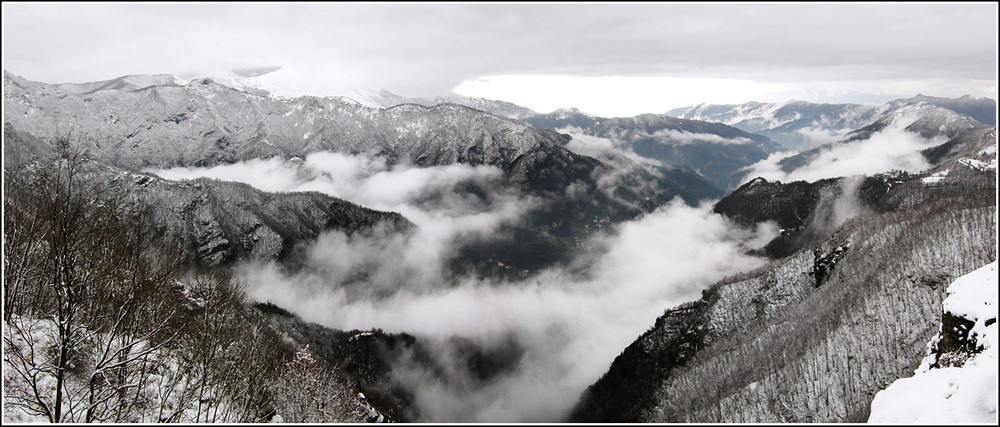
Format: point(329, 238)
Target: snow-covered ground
point(957, 394)
point(936, 177)
point(165, 390)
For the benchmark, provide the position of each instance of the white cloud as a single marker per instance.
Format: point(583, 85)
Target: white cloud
point(817, 135)
point(768, 168)
point(608, 59)
point(425, 196)
point(893, 148)
point(570, 327)
point(268, 175)
point(570, 322)
point(602, 148)
point(680, 137)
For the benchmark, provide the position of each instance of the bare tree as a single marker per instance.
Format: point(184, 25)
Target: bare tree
point(102, 324)
point(310, 392)
point(85, 274)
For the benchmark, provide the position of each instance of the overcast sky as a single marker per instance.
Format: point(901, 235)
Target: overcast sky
point(608, 59)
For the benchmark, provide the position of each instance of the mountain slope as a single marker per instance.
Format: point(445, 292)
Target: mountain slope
point(932, 124)
point(204, 123)
point(563, 118)
point(984, 110)
point(811, 337)
point(805, 125)
point(956, 382)
point(386, 99)
point(714, 150)
point(216, 222)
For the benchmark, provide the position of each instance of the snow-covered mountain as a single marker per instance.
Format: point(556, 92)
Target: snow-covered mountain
point(283, 82)
point(203, 123)
point(803, 125)
point(983, 110)
point(124, 83)
point(385, 99)
point(927, 126)
point(850, 298)
point(714, 150)
point(565, 118)
point(217, 222)
point(813, 336)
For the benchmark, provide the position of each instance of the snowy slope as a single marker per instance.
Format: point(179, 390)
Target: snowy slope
point(804, 125)
point(965, 392)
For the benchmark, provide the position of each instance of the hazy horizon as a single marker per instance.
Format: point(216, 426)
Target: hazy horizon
point(605, 59)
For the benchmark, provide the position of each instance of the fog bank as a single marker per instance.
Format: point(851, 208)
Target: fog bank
point(566, 326)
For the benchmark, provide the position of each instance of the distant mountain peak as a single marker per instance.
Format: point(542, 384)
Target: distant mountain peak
point(255, 71)
point(565, 113)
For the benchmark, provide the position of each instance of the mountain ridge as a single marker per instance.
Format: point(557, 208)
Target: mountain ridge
point(802, 124)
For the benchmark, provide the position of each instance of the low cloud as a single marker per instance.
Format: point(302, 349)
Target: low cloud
point(626, 164)
point(567, 324)
point(768, 168)
point(602, 148)
point(378, 262)
point(893, 148)
point(679, 137)
point(837, 205)
point(817, 135)
point(570, 326)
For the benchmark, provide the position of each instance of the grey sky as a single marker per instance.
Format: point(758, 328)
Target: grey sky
point(852, 50)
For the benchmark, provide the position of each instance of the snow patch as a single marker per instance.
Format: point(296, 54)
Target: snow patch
point(953, 395)
point(979, 164)
point(936, 177)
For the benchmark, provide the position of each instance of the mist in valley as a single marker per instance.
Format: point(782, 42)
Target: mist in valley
point(554, 332)
point(551, 334)
point(892, 148)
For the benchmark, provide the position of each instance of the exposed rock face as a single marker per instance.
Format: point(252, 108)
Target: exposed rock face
point(823, 264)
point(954, 344)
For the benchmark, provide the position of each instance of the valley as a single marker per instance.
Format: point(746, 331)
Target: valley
point(458, 259)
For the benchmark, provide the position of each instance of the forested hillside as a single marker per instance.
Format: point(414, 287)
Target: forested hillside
point(811, 337)
point(105, 321)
